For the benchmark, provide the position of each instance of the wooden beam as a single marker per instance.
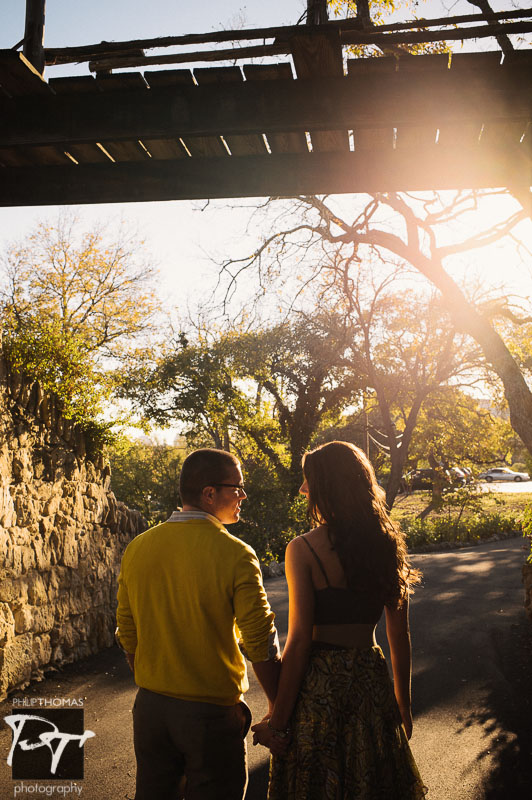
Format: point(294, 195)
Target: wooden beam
point(317, 12)
point(417, 169)
point(375, 37)
point(69, 55)
point(120, 62)
point(369, 100)
point(34, 34)
point(18, 77)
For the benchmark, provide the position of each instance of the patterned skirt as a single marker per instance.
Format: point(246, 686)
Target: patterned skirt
point(348, 742)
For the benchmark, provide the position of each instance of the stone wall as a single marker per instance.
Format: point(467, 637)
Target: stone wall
point(62, 534)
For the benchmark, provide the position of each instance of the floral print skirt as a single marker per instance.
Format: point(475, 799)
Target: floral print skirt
point(348, 742)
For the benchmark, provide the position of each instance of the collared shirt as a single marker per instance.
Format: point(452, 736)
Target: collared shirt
point(188, 592)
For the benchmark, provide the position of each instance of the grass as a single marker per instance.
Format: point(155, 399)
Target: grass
point(490, 515)
point(493, 502)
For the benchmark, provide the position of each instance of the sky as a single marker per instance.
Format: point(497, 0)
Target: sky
point(182, 238)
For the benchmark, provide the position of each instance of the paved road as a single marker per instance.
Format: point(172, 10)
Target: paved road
point(521, 487)
point(472, 688)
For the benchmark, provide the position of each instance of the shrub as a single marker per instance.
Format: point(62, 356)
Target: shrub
point(527, 528)
point(474, 528)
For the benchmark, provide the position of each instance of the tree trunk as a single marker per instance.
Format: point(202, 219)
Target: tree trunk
point(516, 390)
point(467, 319)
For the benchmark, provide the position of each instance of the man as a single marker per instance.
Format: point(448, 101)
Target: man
point(188, 592)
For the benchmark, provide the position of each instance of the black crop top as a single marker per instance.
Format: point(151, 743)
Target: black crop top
point(335, 605)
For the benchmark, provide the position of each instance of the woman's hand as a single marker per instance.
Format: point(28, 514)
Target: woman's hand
point(276, 741)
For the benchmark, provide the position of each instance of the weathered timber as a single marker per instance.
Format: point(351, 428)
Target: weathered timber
point(132, 149)
point(18, 77)
point(317, 12)
point(383, 40)
point(69, 55)
point(314, 56)
point(256, 51)
point(239, 144)
point(417, 169)
point(288, 141)
point(34, 34)
point(373, 100)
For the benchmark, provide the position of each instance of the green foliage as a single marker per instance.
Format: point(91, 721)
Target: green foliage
point(59, 360)
point(71, 300)
point(477, 527)
point(145, 476)
point(262, 394)
point(455, 429)
point(527, 528)
point(270, 518)
point(382, 12)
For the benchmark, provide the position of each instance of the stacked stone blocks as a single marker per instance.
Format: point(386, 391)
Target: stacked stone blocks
point(62, 535)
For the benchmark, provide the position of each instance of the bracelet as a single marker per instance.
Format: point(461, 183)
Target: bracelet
point(282, 733)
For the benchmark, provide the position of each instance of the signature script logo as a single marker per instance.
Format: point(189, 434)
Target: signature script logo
point(52, 738)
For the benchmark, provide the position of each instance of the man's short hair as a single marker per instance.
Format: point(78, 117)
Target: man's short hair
point(205, 467)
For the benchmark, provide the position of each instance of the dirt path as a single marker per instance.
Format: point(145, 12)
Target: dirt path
point(472, 689)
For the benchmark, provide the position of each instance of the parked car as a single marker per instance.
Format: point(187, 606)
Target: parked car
point(458, 476)
point(421, 479)
point(468, 473)
point(503, 474)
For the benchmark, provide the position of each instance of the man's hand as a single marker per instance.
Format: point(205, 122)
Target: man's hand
point(262, 734)
point(130, 658)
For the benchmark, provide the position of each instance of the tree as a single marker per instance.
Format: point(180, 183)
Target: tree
point(407, 228)
point(145, 476)
point(455, 429)
point(259, 393)
point(408, 348)
point(72, 299)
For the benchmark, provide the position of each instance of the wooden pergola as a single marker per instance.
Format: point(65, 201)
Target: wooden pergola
point(313, 124)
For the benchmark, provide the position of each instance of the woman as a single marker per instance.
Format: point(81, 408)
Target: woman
point(336, 730)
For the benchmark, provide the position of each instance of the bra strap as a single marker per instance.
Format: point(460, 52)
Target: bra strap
point(318, 559)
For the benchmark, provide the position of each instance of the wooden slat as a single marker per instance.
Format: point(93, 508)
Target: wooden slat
point(291, 141)
point(371, 66)
point(503, 133)
point(88, 153)
point(19, 78)
point(83, 152)
point(14, 157)
point(121, 150)
point(197, 146)
point(124, 81)
point(47, 155)
point(466, 134)
point(320, 55)
point(78, 84)
point(409, 68)
point(239, 144)
point(167, 149)
point(372, 70)
point(476, 62)
point(168, 77)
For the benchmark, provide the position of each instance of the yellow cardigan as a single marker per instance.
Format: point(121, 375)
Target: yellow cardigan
point(187, 590)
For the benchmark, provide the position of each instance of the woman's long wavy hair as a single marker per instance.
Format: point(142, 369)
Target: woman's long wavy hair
point(344, 495)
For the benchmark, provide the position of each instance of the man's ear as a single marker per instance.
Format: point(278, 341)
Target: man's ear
point(207, 494)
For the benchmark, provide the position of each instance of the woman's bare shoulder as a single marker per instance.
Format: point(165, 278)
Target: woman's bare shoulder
point(313, 535)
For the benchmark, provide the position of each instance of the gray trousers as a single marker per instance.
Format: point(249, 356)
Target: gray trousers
point(203, 742)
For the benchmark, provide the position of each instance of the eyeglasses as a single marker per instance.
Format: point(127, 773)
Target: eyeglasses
point(230, 485)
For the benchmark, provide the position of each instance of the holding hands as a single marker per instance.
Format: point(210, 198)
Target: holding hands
point(275, 739)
